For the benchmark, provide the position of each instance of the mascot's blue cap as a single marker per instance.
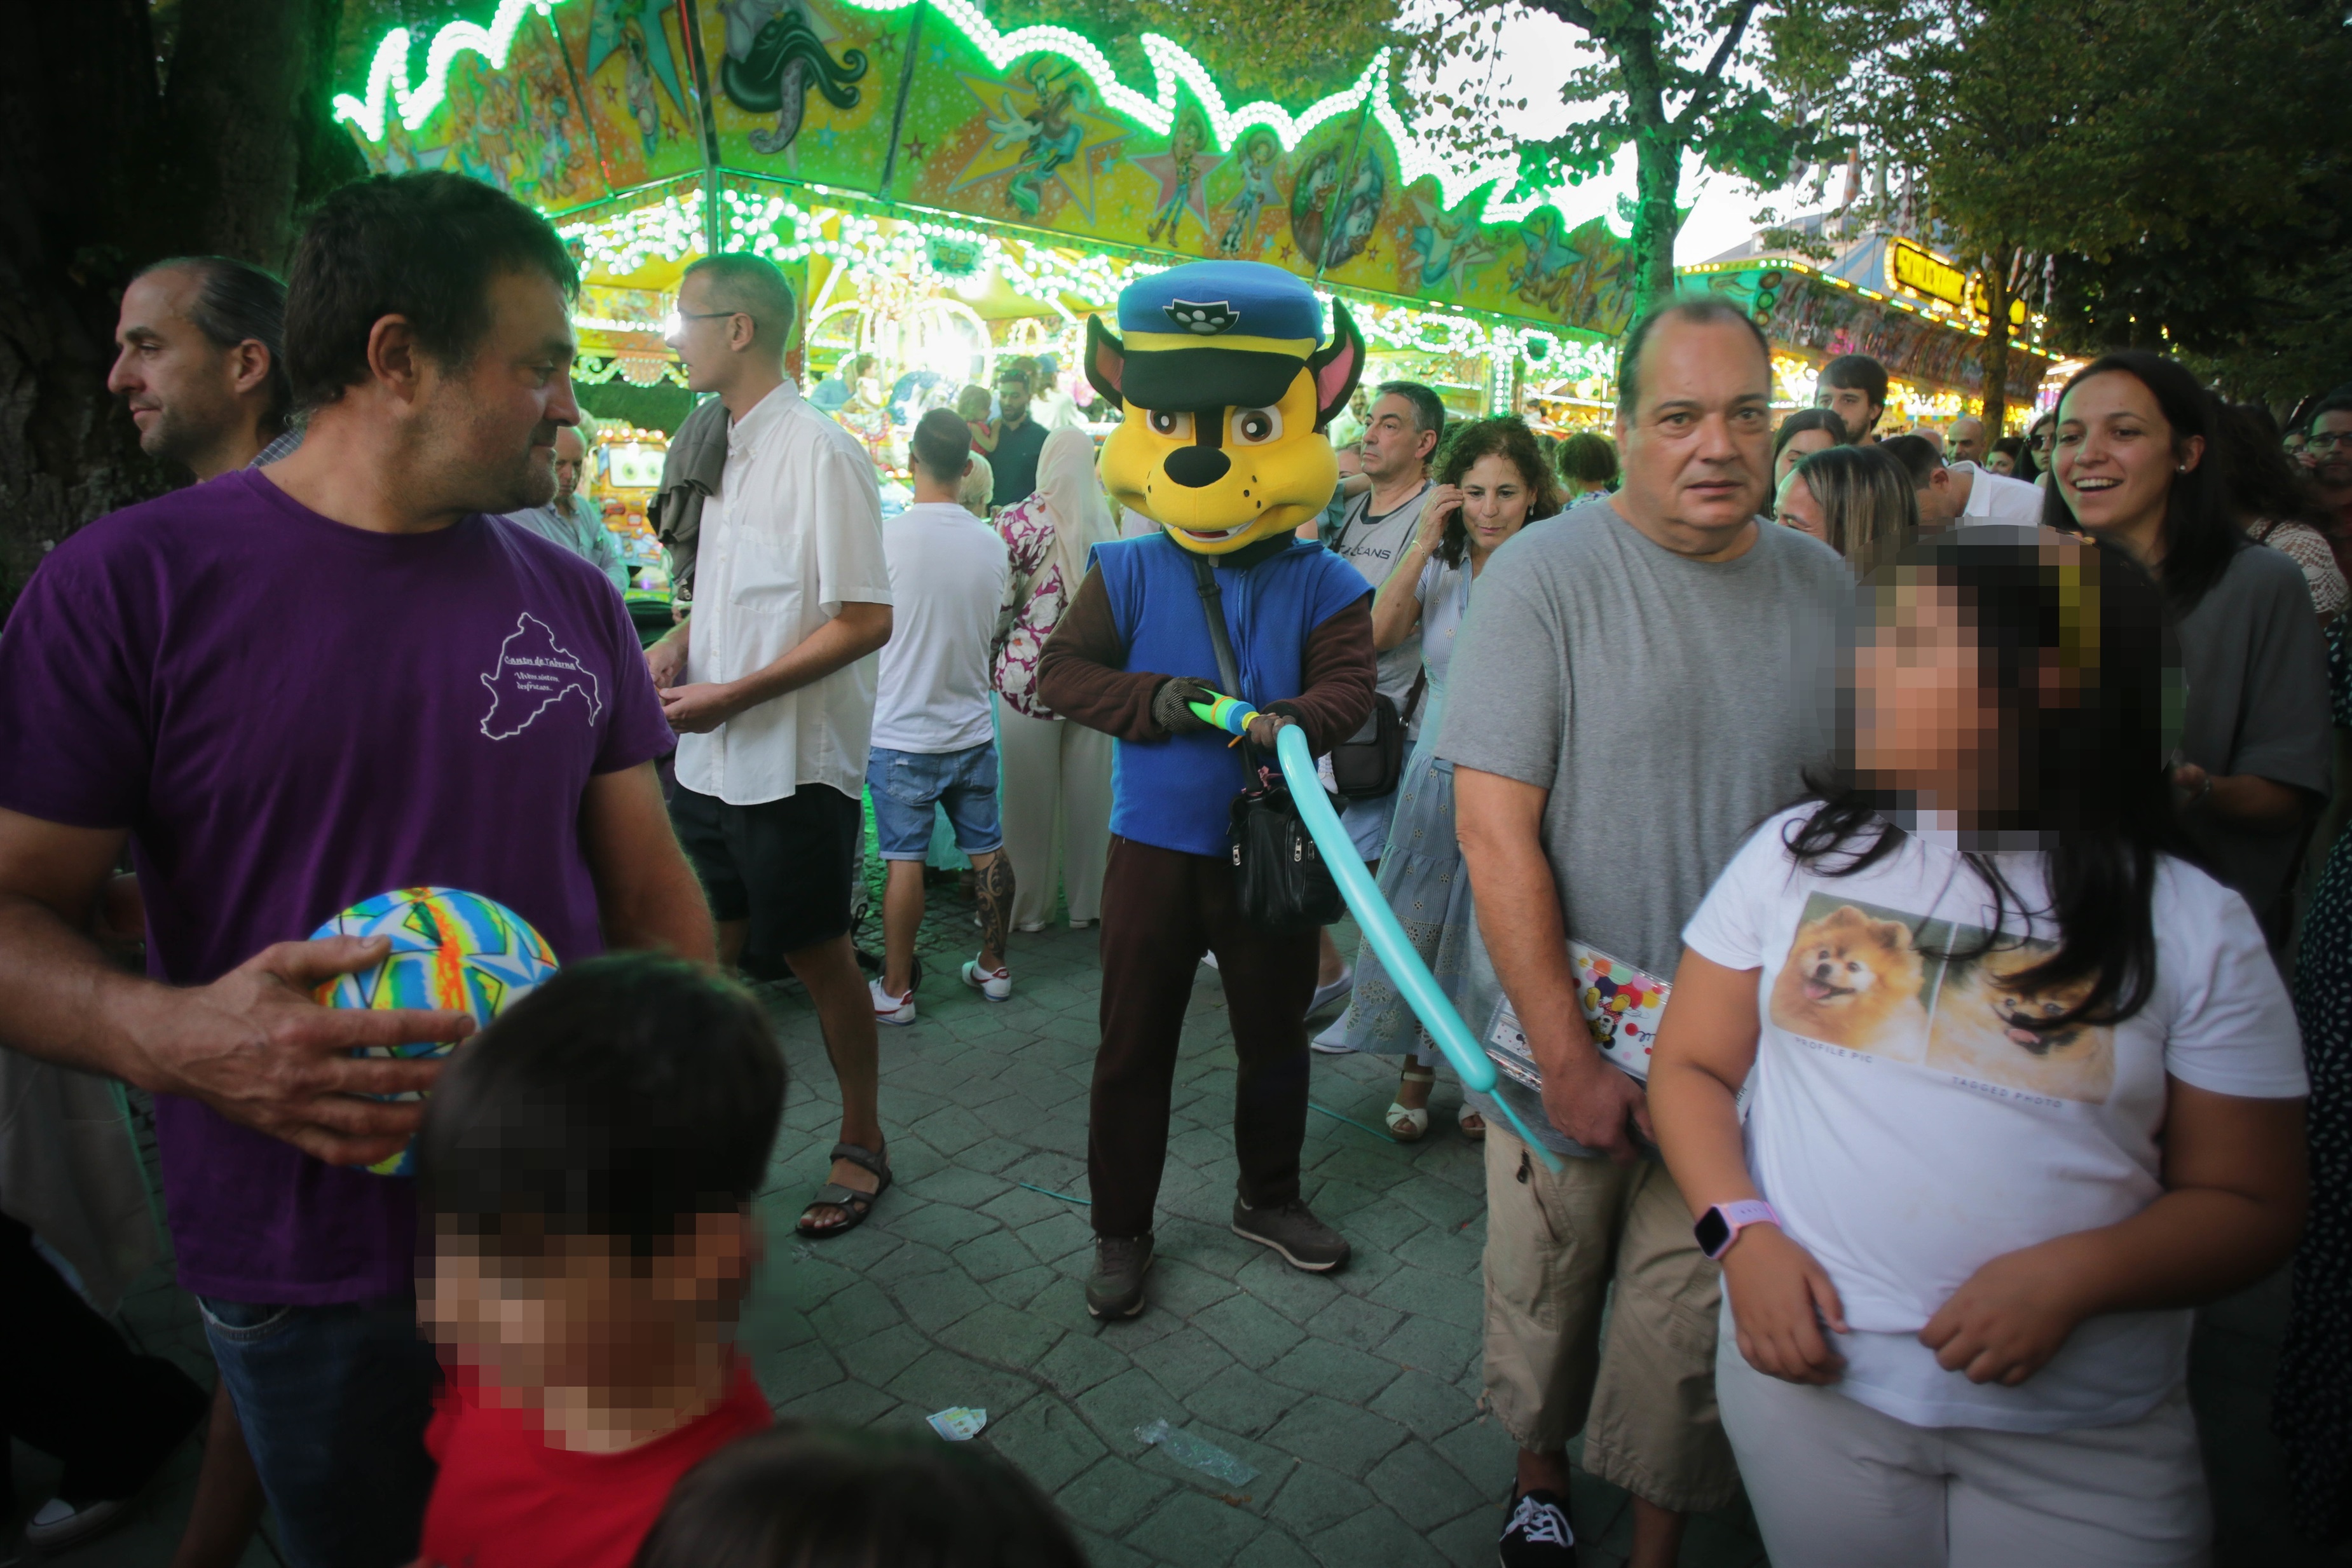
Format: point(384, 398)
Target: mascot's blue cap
point(1216, 334)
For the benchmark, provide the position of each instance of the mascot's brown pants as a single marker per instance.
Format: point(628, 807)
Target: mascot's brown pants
point(1161, 910)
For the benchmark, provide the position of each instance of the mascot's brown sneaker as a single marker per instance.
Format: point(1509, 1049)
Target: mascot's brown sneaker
point(1292, 1230)
point(1114, 1290)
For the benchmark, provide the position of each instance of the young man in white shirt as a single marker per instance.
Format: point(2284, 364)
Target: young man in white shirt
point(1958, 492)
point(934, 733)
point(770, 685)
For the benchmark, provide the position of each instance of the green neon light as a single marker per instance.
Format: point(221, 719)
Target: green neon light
point(388, 71)
point(783, 230)
point(1172, 67)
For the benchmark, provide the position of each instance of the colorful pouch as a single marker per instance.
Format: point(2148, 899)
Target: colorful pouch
point(1621, 1005)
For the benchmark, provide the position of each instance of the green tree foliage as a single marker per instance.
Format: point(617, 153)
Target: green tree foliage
point(2102, 132)
point(1669, 78)
point(2251, 282)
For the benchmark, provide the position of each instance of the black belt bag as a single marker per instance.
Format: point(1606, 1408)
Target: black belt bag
point(1280, 879)
point(1369, 763)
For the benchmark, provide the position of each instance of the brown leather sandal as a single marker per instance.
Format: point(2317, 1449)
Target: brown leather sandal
point(855, 1206)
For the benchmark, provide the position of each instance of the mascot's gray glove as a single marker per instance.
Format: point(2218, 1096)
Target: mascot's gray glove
point(1167, 704)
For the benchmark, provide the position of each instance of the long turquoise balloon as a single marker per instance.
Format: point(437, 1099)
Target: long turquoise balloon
point(1373, 916)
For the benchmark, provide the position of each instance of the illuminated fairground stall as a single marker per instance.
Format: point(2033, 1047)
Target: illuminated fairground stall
point(941, 194)
point(1912, 310)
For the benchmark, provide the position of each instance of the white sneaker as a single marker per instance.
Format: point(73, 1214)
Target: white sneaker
point(1333, 1041)
point(888, 1009)
point(1326, 995)
point(59, 1523)
point(996, 985)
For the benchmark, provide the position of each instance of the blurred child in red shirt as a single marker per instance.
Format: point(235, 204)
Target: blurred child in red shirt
point(586, 1168)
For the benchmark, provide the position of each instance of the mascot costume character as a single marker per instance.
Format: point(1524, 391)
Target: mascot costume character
point(1225, 382)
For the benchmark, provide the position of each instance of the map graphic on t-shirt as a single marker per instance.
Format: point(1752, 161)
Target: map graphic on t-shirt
point(1938, 995)
point(533, 673)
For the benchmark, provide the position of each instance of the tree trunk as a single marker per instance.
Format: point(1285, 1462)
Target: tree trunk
point(1657, 214)
point(1996, 343)
point(244, 110)
point(101, 172)
point(77, 111)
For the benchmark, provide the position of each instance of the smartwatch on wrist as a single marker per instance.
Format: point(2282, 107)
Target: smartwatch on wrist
point(1719, 1226)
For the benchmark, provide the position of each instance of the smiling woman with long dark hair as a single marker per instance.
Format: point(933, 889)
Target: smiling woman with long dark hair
point(2136, 464)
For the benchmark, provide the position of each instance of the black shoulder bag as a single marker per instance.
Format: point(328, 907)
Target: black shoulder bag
point(1369, 763)
point(1281, 881)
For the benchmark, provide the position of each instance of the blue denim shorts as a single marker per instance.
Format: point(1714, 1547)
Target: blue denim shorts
point(905, 784)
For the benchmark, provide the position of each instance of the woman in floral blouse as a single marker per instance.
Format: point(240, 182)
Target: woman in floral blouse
point(1057, 774)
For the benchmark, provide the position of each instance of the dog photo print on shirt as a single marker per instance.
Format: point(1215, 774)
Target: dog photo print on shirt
point(1886, 983)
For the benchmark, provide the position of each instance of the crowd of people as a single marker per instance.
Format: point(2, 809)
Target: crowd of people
point(1893, 878)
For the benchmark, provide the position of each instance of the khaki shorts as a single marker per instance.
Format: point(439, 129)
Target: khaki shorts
point(1645, 1398)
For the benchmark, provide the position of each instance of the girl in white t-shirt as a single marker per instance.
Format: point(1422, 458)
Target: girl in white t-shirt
point(2022, 1087)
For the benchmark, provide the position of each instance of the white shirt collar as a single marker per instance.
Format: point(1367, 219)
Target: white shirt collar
point(762, 415)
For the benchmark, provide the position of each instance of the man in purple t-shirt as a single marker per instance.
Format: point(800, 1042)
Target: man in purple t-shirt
point(293, 689)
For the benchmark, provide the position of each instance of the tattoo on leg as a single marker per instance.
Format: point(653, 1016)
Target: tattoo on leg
point(994, 884)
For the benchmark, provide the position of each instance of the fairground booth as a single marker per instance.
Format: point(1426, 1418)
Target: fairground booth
point(942, 193)
point(1909, 307)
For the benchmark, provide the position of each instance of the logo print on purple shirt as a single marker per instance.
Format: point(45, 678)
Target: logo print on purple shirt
point(533, 673)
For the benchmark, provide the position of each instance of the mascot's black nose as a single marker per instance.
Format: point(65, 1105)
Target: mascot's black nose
point(1197, 467)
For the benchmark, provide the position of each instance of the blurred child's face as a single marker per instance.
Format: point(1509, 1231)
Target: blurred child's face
point(1924, 722)
point(582, 1312)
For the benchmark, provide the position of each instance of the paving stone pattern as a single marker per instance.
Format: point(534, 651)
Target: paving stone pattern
point(1354, 1396)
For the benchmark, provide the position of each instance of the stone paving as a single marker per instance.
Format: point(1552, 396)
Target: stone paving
point(1353, 1397)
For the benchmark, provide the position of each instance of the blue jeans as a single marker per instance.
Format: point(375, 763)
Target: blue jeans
point(1367, 823)
point(905, 784)
point(334, 1401)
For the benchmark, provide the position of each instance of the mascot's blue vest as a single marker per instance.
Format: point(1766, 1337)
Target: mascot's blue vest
point(1177, 793)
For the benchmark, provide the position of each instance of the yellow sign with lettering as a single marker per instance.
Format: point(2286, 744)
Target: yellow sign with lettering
point(1915, 269)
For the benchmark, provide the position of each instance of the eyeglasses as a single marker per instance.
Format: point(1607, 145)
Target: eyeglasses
point(677, 319)
point(2042, 442)
point(2328, 440)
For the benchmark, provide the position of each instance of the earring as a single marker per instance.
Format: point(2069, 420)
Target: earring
point(2182, 469)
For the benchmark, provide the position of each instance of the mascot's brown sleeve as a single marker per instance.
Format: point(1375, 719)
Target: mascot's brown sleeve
point(1079, 677)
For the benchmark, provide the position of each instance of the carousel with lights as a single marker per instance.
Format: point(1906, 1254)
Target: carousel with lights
point(944, 195)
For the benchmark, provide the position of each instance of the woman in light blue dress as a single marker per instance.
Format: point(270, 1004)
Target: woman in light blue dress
point(1492, 481)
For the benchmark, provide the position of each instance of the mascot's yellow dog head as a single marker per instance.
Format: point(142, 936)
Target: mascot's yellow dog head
point(1227, 384)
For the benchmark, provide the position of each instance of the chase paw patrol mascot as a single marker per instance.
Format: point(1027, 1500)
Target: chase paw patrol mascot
point(1225, 383)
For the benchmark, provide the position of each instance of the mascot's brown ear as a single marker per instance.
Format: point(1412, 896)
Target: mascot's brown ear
point(1106, 361)
point(1338, 366)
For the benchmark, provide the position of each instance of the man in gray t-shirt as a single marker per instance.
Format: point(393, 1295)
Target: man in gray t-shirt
point(1636, 686)
point(1373, 531)
point(1374, 527)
